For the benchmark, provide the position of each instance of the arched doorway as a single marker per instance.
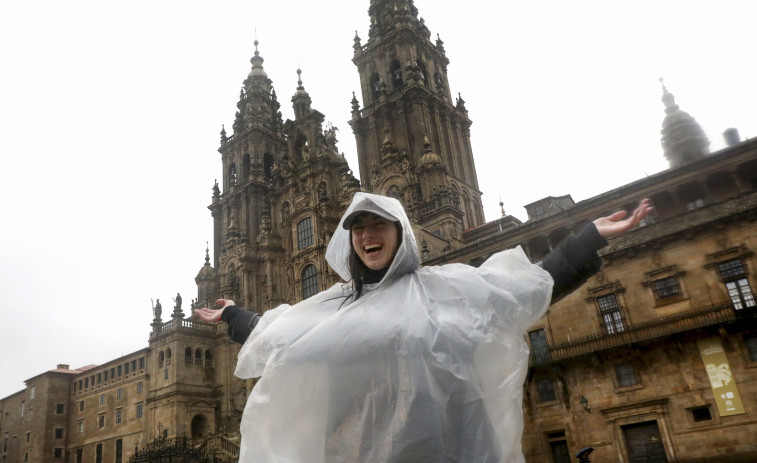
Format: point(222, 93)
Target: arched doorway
point(199, 426)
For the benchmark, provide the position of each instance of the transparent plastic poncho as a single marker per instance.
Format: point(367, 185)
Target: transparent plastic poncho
point(427, 366)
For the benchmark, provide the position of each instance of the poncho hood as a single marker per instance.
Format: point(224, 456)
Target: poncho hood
point(406, 260)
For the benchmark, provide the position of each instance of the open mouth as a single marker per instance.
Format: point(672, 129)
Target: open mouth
point(372, 248)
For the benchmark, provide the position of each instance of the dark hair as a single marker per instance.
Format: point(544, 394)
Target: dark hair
point(358, 269)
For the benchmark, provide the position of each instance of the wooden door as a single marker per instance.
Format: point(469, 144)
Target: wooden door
point(644, 443)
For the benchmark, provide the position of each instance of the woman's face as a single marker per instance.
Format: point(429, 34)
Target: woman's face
point(375, 240)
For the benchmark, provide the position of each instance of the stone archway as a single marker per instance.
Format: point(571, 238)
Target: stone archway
point(199, 427)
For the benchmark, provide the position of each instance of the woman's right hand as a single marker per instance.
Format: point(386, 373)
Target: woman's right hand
point(213, 315)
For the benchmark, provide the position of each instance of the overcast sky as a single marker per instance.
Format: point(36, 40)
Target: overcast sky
point(110, 114)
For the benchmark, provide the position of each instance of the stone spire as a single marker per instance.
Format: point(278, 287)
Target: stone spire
point(301, 100)
point(257, 99)
point(205, 279)
point(683, 139)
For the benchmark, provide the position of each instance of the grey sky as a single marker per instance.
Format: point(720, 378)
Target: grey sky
point(110, 116)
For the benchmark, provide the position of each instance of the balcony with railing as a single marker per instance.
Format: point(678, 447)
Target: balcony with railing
point(713, 315)
point(176, 324)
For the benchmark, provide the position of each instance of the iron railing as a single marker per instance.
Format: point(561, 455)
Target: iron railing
point(712, 315)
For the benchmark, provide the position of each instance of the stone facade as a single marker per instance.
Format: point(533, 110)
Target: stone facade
point(618, 365)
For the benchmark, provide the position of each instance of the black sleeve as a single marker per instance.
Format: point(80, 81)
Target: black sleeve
point(574, 261)
point(241, 322)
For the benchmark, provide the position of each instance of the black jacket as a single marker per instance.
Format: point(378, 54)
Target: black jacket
point(571, 263)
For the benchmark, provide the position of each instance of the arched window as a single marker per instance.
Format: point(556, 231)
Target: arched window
point(198, 357)
point(160, 359)
point(301, 149)
point(267, 165)
point(168, 356)
point(423, 72)
point(246, 168)
point(375, 86)
point(309, 281)
point(208, 358)
point(396, 72)
point(232, 174)
point(188, 356)
point(304, 233)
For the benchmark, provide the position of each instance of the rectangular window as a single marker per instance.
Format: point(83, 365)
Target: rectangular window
point(101, 421)
point(79, 455)
point(139, 410)
point(610, 311)
point(304, 233)
point(99, 453)
point(58, 453)
point(133, 366)
point(26, 456)
point(139, 387)
point(102, 399)
point(28, 437)
point(23, 406)
point(667, 287)
point(119, 394)
point(736, 282)
point(105, 376)
point(309, 281)
point(126, 368)
point(81, 406)
point(32, 390)
point(59, 409)
point(118, 416)
point(99, 378)
point(701, 414)
point(80, 427)
point(112, 373)
point(731, 269)
point(546, 390)
point(141, 363)
point(59, 433)
point(539, 347)
point(165, 373)
point(625, 374)
point(119, 371)
point(740, 293)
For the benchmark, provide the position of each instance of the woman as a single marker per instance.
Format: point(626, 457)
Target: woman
point(402, 363)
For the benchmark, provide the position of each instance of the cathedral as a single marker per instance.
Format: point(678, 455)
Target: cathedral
point(654, 359)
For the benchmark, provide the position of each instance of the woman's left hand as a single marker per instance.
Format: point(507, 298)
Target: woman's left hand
point(615, 224)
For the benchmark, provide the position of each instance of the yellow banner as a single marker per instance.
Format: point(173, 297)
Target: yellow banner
point(719, 372)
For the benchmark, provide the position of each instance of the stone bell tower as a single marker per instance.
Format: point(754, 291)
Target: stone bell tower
point(284, 188)
point(413, 141)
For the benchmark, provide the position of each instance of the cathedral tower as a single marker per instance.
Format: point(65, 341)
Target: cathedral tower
point(284, 188)
point(413, 142)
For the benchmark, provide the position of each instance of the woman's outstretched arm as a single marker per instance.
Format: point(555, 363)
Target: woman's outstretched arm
point(241, 322)
point(575, 260)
